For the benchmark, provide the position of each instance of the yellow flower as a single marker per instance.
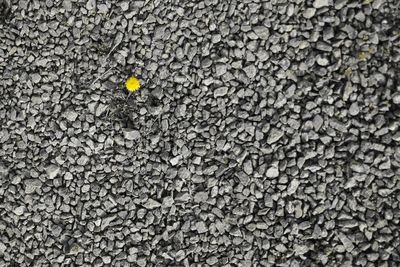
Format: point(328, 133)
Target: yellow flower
point(132, 84)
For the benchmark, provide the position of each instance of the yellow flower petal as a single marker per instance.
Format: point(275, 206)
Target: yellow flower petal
point(132, 84)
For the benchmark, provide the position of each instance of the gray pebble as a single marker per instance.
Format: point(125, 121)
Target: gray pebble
point(83, 160)
point(52, 171)
point(357, 167)
point(262, 32)
point(201, 197)
point(101, 108)
point(251, 71)
point(212, 261)
point(36, 78)
point(132, 134)
point(19, 210)
point(321, 3)
point(175, 160)
point(180, 110)
point(376, 4)
point(272, 172)
point(322, 61)
point(285, 63)
point(201, 227)
point(309, 12)
point(354, 109)
point(347, 243)
point(396, 99)
point(292, 188)
point(220, 69)
point(337, 125)
point(91, 4)
point(31, 185)
point(68, 176)
point(3, 248)
point(301, 249)
point(221, 91)
point(248, 167)
point(71, 115)
point(274, 135)
point(317, 122)
point(124, 5)
point(152, 204)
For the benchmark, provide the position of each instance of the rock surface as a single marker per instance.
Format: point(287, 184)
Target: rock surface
point(266, 133)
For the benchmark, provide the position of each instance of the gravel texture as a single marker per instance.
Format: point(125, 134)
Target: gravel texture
point(266, 133)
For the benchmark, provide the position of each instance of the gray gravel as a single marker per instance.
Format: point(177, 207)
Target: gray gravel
point(266, 133)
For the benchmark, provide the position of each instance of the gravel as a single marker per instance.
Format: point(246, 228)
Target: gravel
point(131, 134)
point(274, 135)
point(52, 171)
point(309, 12)
point(266, 133)
point(272, 172)
point(321, 3)
point(219, 92)
point(292, 188)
